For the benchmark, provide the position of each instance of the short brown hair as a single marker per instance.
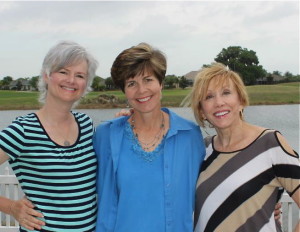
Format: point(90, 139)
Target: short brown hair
point(137, 60)
point(202, 80)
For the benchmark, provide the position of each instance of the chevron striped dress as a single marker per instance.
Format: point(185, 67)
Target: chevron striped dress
point(237, 191)
point(59, 181)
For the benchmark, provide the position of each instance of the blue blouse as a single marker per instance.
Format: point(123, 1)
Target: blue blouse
point(136, 195)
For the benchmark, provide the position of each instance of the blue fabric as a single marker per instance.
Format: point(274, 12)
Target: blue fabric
point(183, 153)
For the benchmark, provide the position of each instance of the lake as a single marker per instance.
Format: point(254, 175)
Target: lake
point(284, 118)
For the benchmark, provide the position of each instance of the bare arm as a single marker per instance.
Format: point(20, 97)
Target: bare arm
point(22, 210)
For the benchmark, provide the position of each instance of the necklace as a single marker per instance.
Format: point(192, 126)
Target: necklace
point(66, 143)
point(148, 146)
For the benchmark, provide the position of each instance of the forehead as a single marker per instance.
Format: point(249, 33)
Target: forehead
point(141, 74)
point(220, 82)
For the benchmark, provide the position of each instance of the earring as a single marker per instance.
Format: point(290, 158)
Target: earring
point(242, 114)
point(127, 104)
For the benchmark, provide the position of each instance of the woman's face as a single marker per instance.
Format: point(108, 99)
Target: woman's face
point(221, 105)
point(69, 83)
point(143, 92)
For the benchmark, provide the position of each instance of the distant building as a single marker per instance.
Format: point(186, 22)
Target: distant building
point(270, 79)
point(191, 77)
point(23, 84)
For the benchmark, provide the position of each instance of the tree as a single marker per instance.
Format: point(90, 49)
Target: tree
point(19, 84)
point(97, 84)
point(109, 83)
point(170, 80)
point(6, 80)
point(242, 61)
point(34, 82)
point(183, 82)
point(277, 73)
point(270, 78)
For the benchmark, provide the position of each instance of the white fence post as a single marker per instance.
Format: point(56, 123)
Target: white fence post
point(9, 184)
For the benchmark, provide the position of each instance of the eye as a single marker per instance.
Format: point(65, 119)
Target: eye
point(80, 76)
point(209, 96)
point(63, 72)
point(130, 84)
point(226, 92)
point(149, 79)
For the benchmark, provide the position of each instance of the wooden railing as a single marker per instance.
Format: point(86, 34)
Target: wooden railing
point(9, 187)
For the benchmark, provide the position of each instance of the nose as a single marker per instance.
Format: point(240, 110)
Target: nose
point(219, 101)
point(141, 88)
point(71, 78)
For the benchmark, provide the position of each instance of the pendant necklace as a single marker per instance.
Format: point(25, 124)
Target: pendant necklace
point(66, 143)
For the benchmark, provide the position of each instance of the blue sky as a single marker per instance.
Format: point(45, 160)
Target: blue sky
point(190, 33)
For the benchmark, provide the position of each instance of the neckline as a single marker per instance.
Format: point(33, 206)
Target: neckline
point(148, 156)
point(250, 144)
point(50, 139)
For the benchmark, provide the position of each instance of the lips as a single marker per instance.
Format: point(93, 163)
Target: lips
point(68, 88)
point(142, 100)
point(221, 113)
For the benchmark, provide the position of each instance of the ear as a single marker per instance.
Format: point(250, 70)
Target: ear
point(46, 78)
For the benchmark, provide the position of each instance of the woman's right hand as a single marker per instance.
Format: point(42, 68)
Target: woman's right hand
point(124, 112)
point(23, 211)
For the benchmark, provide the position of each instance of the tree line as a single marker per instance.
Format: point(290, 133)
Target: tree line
point(241, 60)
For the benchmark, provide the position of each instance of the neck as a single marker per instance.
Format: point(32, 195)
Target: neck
point(228, 137)
point(54, 116)
point(148, 120)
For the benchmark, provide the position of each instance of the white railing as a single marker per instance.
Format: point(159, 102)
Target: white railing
point(9, 186)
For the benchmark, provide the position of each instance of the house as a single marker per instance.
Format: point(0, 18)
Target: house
point(191, 77)
point(20, 84)
point(270, 79)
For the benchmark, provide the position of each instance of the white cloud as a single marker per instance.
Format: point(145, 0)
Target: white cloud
point(191, 33)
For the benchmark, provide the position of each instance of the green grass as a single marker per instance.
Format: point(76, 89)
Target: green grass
point(286, 93)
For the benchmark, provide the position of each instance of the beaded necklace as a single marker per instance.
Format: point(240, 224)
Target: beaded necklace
point(148, 146)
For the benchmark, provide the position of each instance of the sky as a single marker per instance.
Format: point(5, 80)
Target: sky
point(190, 33)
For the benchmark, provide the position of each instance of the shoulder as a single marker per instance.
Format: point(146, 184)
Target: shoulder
point(275, 138)
point(284, 144)
point(80, 116)
point(116, 123)
point(176, 119)
point(29, 120)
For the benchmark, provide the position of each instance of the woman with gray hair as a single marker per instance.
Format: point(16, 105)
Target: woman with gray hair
point(51, 150)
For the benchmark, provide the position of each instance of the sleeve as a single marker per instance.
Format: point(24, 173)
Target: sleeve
point(106, 180)
point(287, 168)
point(12, 140)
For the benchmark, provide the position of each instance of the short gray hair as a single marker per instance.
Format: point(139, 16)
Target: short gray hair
point(62, 55)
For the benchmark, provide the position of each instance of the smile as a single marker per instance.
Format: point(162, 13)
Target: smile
point(67, 88)
point(219, 114)
point(143, 99)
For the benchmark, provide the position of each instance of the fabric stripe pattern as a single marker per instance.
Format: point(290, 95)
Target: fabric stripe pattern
point(237, 191)
point(60, 181)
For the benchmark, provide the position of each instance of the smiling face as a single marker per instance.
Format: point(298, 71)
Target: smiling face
point(69, 83)
point(143, 92)
point(221, 104)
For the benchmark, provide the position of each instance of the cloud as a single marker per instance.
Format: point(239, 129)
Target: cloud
point(191, 33)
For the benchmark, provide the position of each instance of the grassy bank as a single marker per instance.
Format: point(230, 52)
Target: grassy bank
point(287, 93)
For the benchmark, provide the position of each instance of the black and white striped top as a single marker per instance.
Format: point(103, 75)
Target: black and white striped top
point(238, 190)
point(60, 181)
